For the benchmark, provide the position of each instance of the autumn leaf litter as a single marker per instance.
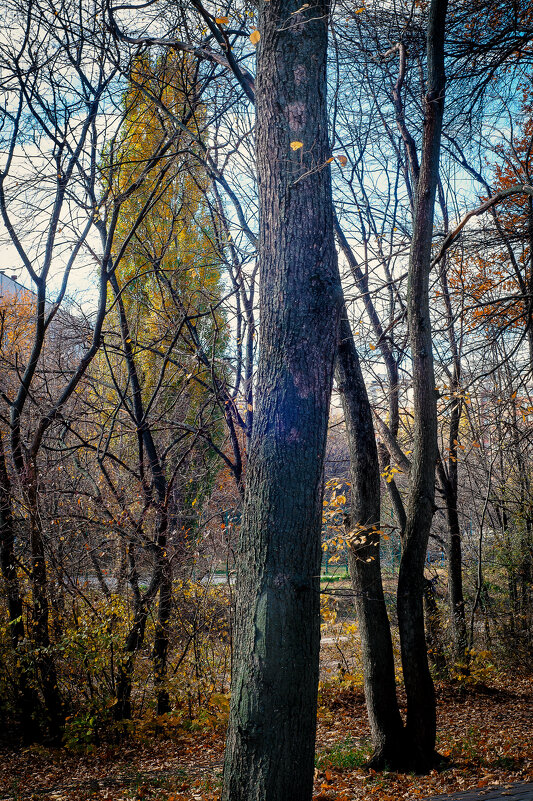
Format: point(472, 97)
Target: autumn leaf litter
point(485, 733)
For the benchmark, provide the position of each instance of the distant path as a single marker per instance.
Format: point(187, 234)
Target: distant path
point(508, 792)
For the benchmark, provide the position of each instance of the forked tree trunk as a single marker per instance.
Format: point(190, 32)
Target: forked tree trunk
point(271, 737)
point(388, 738)
point(135, 638)
point(125, 672)
point(421, 715)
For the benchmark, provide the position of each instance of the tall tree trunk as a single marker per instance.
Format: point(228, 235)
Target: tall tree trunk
point(161, 637)
point(421, 716)
point(449, 489)
point(363, 559)
point(391, 364)
point(7, 554)
point(455, 579)
point(448, 469)
point(41, 611)
point(271, 736)
point(26, 702)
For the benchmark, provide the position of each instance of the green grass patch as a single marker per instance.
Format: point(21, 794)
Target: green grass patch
point(346, 755)
point(326, 577)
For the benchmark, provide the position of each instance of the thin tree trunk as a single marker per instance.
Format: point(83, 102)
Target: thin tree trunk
point(161, 637)
point(271, 737)
point(135, 638)
point(7, 555)
point(449, 488)
point(134, 641)
point(162, 577)
point(434, 637)
point(448, 471)
point(386, 725)
point(421, 715)
point(387, 354)
point(25, 696)
point(455, 581)
point(40, 612)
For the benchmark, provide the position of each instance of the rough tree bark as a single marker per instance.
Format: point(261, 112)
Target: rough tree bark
point(271, 737)
point(421, 717)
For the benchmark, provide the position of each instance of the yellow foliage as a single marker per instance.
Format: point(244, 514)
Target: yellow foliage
point(170, 266)
point(17, 329)
point(478, 668)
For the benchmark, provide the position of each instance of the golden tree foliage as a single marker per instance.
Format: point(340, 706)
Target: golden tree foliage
point(163, 315)
point(17, 329)
point(169, 273)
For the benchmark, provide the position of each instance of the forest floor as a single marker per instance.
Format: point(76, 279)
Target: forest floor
point(485, 732)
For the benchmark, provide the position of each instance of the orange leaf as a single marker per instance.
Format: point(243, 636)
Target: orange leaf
point(254, 37)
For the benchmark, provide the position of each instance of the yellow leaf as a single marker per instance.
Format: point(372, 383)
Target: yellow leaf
point(221, 20)
point(254, 37)
point(296, 145)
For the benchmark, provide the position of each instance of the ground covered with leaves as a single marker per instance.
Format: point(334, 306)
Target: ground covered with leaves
point(485, 733)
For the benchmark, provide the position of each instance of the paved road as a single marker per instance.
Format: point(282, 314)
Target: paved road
point(508, 792)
